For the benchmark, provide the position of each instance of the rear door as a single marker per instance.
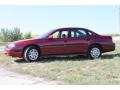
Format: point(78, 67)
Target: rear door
point(78, 42)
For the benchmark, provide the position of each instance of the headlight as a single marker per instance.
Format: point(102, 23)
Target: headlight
point(11, 45)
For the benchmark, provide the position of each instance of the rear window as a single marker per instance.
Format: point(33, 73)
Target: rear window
point(90, 33)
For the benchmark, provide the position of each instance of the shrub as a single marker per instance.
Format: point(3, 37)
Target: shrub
point(27, 35)
point(3, 34)
point(17, 34)
point(10, 35)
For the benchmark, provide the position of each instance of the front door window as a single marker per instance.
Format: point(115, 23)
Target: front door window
point(64, 34)
point(55, 35)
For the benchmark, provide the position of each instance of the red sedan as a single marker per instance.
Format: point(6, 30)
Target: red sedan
point(63, 41)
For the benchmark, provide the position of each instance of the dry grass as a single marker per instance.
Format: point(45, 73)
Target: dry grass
point(71, 70)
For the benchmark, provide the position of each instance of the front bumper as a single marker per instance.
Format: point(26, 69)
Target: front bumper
point(13, 53)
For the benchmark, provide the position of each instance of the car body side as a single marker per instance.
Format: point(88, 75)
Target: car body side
point(62, 46)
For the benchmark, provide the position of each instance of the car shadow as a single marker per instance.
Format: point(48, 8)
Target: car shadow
point(68, 58)
point(58, 58)
point(110, 56)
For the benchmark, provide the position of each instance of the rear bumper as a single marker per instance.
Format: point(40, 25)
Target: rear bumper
point(113, 46)
point(109, 47)
point(13, 53)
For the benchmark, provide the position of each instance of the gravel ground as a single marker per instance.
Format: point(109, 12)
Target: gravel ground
point(12, 78)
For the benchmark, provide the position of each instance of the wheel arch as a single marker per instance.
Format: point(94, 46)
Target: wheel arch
point(34, 45)
point(96, 44)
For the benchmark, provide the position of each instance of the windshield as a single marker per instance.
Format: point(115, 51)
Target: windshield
point(43, 35)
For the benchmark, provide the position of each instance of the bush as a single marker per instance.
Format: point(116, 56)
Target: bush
point(7, 35)
point(16, 34)
point(4, 34)
point(27, 35)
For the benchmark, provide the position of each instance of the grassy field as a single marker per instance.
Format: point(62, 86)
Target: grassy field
point(71, 70)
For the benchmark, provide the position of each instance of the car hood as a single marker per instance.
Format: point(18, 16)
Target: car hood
point(23, 40)
point(27, 41)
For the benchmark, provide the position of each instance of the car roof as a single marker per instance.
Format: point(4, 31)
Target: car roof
point(69, 28)
point(74, 28)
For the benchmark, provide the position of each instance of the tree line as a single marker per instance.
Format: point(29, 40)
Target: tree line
point(9, 35)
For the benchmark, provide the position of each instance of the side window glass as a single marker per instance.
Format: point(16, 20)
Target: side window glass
point(72, 34)
point(81, 33)
point(55, 35)
point(64, 34)
point(90, 33)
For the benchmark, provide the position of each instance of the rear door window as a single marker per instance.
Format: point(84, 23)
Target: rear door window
point(78, 33)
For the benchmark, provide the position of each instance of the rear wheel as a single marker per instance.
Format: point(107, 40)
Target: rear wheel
point(94, 52)
point(31, 54)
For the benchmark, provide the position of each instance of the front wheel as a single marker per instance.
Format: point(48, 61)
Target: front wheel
point(31, 54)
point(94, 52)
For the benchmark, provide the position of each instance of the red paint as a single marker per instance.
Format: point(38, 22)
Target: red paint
point(63, 46)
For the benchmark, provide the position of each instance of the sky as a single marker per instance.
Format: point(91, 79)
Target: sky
point(102, 19)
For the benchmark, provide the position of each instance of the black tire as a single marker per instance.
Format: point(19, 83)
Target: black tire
point(92, 54)
point(31, 56)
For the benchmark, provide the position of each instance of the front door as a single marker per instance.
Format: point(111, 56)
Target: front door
point(55, 45)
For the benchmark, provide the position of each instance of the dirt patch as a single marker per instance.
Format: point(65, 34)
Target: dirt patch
point(11, 78)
